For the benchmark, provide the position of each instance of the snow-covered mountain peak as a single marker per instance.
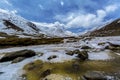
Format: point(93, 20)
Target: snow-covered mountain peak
point(11, 23)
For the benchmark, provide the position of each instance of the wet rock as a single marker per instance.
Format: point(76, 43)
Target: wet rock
point(94, 75)
point(70, 53)
point(52, 57)
point(12, 55)
point(101, 43)
point(83, 55)
point(85, 47)
point(77, 51)
point(19, 59)
point(112, 46)
point(46, 73)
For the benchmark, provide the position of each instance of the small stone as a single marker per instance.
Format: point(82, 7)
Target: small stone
point(52, 57)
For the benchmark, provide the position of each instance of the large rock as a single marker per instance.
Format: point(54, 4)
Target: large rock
point(13, 55)
point(94, 75)
point(83, 55)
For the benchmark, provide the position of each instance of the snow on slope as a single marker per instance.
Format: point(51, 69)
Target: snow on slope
point(25, 26)
point(54, 29)
point(16, 20)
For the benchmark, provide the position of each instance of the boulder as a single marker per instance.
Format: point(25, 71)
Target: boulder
point(13, 55)
point(52, 57)
point(18, 59)
point(83, 55)
point(94, 75)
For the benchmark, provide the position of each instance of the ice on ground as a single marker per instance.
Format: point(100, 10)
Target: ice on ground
point(11, 71)
point(102, 55)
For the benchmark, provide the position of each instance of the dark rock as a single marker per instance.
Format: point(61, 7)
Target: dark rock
point(70, 53)
point(101, 43)
point(52, 57)
point(12, 55)
point(46, 73)
point(85, 47)
point(18, 59)
point(77, 51)
point(112, 46)
point(73, 52)
point(83, 55)
point(94, 75)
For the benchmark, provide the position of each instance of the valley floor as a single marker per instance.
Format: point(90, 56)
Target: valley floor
point(100, 59)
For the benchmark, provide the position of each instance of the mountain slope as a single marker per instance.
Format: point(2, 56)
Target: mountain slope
point(13, 24)
point(111, 29)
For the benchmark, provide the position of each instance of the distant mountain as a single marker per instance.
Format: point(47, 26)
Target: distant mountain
point(111, 29)
point(12, 24)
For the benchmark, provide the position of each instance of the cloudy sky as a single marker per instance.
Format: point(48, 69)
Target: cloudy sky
point(75, 15)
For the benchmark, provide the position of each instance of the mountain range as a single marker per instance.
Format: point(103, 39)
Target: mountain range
point(12, 24)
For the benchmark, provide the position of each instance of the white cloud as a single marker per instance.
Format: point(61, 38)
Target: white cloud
point(62, 3)
point(87, 20)
point(111, 8)
point(6, 2)
point(55, 28)
point(41, 6)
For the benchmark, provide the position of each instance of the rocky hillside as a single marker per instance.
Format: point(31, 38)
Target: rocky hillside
point(111, 29)
point(12, 24)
